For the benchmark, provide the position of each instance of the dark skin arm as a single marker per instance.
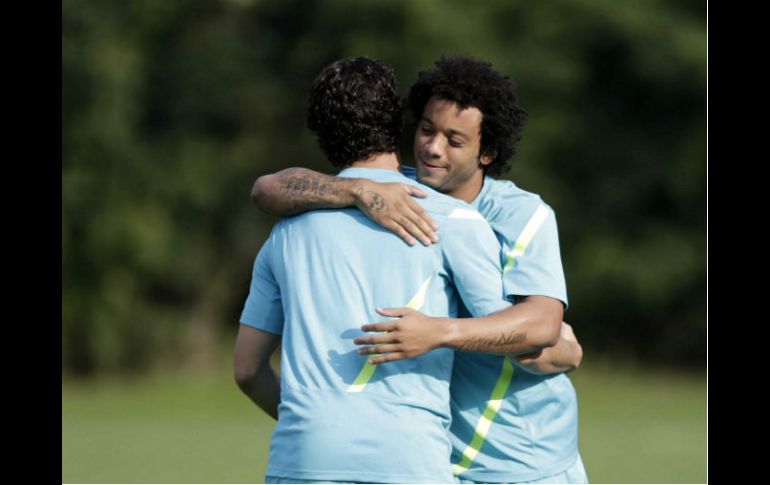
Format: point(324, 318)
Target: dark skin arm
point(296, 190)
point(565, 356)
point(531, 325)
point(252, 370)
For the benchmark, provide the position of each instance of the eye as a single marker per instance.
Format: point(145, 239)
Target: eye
point(426, 129)
point(455, 143)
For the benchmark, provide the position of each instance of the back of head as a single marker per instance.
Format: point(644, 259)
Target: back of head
point(473, 82)
point(355, 110)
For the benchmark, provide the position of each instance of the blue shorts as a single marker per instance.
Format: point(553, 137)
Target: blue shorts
point(574, 474)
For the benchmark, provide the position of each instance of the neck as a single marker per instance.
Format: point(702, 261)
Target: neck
point(387, 161)
point(469, 190)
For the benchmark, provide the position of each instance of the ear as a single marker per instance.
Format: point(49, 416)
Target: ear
point(488, 157)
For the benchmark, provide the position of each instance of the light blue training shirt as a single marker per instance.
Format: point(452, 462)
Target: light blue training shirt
point(509, 425)
point(316, 280)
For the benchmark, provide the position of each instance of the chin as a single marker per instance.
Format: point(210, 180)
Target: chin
point(429, 181)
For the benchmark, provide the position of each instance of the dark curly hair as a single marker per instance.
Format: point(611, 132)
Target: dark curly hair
point(473, 82)
point(355, 110)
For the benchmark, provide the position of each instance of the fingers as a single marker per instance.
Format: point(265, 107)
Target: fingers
point(414, 220)
point(384, 338)
point(414, 191)
point(379, 349)
point(424, 219)
point(391, 312)
point(387, 358)
point(401, 232)
point(393, 207)
point(405, 224)
point(409, 225)
point(379, 327)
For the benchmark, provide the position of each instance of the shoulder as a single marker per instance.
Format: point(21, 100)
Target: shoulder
point(502, 202)
point(452, 209)
point(462, 224)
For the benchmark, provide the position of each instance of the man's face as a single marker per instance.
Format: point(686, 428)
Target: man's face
point(446, 149)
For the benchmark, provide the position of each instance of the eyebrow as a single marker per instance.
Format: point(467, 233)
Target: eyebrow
point(451, 132)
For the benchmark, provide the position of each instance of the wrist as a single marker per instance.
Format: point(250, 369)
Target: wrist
point(355, 190)
point(450, 332)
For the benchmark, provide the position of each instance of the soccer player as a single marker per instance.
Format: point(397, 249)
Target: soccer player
point(320, 274)
point(514, 418)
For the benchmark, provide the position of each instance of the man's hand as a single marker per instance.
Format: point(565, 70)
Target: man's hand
point(413, 334)
point(392, 206)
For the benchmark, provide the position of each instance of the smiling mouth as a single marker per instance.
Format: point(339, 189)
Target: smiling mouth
point(429, 165)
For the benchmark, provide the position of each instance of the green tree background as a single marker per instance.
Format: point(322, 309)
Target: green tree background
point(170, 110)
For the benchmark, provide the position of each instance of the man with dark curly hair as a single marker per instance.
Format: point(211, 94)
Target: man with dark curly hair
point(527, 432)
point(321, 273)
point(514, 418)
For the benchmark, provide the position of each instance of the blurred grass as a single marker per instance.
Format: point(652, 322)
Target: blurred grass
point(641, 425)
point(177, 428)
point(636, 426)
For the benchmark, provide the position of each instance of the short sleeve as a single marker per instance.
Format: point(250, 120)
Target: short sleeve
point(472, 255)
point(531, 256)
point(263, 308)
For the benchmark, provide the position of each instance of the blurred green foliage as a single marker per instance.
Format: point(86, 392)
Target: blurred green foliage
point(170, 110)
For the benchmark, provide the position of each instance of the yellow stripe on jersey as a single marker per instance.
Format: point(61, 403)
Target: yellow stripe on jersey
point(363, 378)
point(486, 418)
point(526, 236)
point(506, 375)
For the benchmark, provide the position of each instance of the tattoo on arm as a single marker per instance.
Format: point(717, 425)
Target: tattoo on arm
point(297, 184)
point(492, 344)
point(304, 191)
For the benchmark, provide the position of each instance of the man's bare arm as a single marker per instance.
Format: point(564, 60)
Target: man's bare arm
point(296, 190)
point(529, 326)
point(565, 356)
point(252, 370)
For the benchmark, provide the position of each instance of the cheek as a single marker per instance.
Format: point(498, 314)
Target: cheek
point(468, 160)
point(459, 162)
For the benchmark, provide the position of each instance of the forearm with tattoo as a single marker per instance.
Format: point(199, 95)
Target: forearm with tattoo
point(296, 190)
point(492, 344)
point(530, 325)
point(304, 190)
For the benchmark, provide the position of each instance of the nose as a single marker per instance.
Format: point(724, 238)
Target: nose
point(434, 146)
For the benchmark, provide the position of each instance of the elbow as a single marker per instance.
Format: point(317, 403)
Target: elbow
point(551, 330)
point(245, 373)
point(549, 342)
point(265, 194)
point(544, 321)
point(554, 333)
point(545, 341)
point(258, 190)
